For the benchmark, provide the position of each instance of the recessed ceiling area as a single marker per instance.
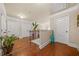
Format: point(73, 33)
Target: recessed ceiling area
point(34, 11)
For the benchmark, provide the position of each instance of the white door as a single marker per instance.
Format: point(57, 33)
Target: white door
point(13, 27)
point(62, 29)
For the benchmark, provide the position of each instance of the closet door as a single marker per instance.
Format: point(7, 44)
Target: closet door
point(13, 27)
point(62, 29)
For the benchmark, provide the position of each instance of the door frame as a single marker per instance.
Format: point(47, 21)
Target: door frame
point(58, 17)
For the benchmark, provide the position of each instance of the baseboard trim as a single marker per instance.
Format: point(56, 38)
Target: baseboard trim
point(62, 42)
point(75, 45)
point(70, 44)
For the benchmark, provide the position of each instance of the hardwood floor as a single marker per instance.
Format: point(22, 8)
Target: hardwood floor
point(23, 48)
point(59, 49)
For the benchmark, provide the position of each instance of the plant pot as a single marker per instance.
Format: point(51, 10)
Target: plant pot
point(7, 50)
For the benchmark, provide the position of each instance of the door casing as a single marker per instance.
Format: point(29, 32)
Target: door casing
point(61, 29)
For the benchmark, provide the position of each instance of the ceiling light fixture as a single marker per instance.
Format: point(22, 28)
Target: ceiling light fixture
point(22, 16)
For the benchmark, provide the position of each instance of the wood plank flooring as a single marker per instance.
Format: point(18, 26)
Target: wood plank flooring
point(23, 48)
point(59, 49)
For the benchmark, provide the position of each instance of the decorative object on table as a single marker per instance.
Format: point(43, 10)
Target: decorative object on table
point(77, 20)
point(52, 38)
point(34, 33)
point(7, 43)
point(35, 26)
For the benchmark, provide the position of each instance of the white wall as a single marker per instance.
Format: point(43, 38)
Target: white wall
point(45, 24)
point(57, 7)
point(73, 29)
point(3, 18)
point(2, 22)
point(18, 27)
point(45, 35)
point(26, 26)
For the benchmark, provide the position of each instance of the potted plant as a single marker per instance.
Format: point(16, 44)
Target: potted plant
point(7, 43)
point(35, 25)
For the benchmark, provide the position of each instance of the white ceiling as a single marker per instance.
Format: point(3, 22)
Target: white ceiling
point(34, 11)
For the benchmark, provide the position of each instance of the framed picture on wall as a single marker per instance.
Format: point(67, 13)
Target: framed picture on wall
point(77, 20)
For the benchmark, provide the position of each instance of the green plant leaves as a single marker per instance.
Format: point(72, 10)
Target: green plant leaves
point(35, 25)
point(1, 38)
point(8, 41)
